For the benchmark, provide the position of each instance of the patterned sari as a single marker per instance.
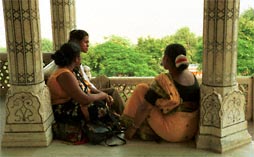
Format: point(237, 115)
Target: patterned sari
point(171, 118)
point(69, 119)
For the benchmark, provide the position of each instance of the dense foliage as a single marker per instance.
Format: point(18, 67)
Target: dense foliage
point(245, 57)
point(117, 57)
point(46, 45)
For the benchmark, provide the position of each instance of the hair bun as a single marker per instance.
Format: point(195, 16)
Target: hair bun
point(181, 60)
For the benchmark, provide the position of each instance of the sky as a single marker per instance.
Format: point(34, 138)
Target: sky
point(129, 18)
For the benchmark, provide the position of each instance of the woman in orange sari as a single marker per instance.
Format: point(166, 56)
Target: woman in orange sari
point(168, 108)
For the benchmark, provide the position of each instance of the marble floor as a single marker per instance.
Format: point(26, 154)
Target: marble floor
point(131, 149)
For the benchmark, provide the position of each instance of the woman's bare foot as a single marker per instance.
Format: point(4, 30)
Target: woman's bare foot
point(130, 132)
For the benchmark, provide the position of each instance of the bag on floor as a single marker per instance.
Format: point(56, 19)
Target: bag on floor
point(98, 133)
point(104, 125)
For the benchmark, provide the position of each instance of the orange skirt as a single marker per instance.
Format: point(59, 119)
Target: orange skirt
point(176, 127)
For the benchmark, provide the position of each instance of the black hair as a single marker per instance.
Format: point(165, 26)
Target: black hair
point(77, 35)
point(66, 54)
point(174, 50)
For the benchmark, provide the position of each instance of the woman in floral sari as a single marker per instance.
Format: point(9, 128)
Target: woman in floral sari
point(98, 84)
point(168, 108)
point(69, 97)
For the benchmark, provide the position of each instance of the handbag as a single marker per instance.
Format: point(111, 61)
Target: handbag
point(98, 132)
point(104, 125)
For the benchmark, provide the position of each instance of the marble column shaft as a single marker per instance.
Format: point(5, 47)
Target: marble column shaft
point(28, 107)
point(222, 114)
point(63, 13)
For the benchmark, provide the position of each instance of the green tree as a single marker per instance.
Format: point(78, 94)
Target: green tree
point(188, 39)
point(118, 40)
point(46, 45)
point(248, 14)
point(117, 57)
point(198, 56)
point(153, 48)
point(245, 56)
point(2, 50)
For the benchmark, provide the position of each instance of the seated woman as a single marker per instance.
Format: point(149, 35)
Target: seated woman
point(168, 108)
point(101, 83)
point(70, 99)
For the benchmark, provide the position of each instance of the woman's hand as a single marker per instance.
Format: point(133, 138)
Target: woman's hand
point(109, 100)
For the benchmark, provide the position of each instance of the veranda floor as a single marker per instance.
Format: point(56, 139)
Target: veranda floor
point(131, 149)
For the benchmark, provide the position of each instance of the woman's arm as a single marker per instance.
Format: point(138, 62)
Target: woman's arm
point(109, 98)
point(95, 90)
point(70, 85)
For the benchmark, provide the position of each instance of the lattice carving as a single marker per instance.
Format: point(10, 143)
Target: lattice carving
point(4, 75)
point(4, 72)
point(125, 90)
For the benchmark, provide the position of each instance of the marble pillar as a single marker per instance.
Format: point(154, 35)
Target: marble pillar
point(222, 114)
point(63, 20)
point(29, 114)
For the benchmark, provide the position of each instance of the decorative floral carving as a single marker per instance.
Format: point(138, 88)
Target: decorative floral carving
point(223, 111)
point(210, 110)
point(233, 108)
point(21, 108)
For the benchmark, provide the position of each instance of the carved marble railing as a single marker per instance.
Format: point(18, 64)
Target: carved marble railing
point(125, 85)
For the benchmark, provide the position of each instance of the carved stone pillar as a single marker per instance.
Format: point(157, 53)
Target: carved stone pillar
point(222, 117)
point(28, 108)
point(63, 20)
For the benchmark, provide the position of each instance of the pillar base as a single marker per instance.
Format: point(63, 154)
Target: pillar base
point(29, 138)
point(29, 117)
point(222, 144)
